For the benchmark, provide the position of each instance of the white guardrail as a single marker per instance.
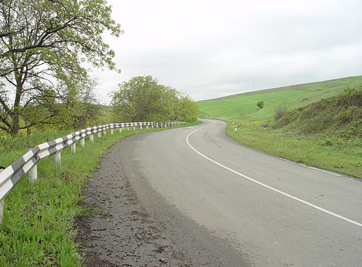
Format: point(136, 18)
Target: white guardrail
point(10, 176)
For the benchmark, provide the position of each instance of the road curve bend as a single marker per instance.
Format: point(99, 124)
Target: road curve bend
point(242, 206)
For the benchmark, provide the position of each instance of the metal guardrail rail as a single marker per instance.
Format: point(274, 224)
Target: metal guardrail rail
point(10, 176)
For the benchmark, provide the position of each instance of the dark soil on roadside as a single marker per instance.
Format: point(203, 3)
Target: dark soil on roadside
point(118, 231)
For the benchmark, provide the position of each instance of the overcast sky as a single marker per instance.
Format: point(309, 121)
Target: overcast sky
point(209, 49)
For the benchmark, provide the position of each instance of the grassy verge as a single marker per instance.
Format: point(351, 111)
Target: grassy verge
point(333, 154)
point(39, 217)
point(326, 134)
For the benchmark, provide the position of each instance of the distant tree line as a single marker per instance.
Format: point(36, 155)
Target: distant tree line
point(143, 99)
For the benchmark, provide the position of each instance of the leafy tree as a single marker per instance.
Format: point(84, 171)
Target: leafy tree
point(188, 109)
point(139, 99)
point(143, 99)
point(84, 108)
point(42, 46)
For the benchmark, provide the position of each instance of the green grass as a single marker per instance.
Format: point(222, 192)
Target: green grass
point(37, 229)
point(328, 138)
point(333, 154)
point(289, 97)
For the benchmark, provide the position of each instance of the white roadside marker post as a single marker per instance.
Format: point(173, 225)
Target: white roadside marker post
point(58, 158)
point(82, 142)
point(2, 202)
point(73, 148)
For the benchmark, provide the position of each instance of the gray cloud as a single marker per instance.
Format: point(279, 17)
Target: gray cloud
point(209, 49)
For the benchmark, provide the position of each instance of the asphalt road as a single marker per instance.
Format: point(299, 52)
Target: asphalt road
point(243, 206)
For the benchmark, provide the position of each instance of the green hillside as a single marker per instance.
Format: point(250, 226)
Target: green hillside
point(318, 124)
point(290, 97)
point(340, 115)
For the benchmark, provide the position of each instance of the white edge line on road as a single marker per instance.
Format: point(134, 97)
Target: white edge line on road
point(269, 187)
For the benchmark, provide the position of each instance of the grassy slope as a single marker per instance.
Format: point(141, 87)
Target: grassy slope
point(290, 97)
point(325, 149)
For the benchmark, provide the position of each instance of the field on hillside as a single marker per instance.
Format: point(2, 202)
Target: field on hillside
point(332, 147)
point(289, 97)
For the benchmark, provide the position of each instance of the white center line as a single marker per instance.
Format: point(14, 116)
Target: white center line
point(270, 187)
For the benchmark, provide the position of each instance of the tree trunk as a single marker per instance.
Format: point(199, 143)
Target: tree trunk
point(15, 116)
point(15, 123)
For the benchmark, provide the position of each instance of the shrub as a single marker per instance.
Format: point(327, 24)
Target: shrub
point(260, 104)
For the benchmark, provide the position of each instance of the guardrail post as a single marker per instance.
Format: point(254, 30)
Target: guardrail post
point(111, 131)
point(104, 132)
point(33, 173)
point(2, 202)
point(82, 141)
point(73, 148)
point(127, 129)
point(58, 157)
point(91, 138)
point(99, 134)
point(120, 130)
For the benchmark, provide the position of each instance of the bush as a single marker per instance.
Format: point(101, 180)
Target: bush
point(260, 104)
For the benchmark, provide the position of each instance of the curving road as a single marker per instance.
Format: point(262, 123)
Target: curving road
point(241, 206)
